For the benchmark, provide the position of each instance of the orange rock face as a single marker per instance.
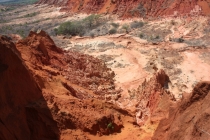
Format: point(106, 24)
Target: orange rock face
point(153, 99)
point(129, 8)
point(49, 93)
point(45, 91)
point(190, 119)
point(185, 119)
point(19, 90)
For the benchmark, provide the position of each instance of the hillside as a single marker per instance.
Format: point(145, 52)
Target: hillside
point(46, 91)
point(70, 95)
point(108, 70)
point(138, 8)
point(12, 2)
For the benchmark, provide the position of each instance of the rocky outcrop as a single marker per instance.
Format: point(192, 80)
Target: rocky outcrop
point(83, 70)
point(153, 99)
point(129, 8)
point(18, 90)
point(46, 92)
point(170, 119)
point(189, 119)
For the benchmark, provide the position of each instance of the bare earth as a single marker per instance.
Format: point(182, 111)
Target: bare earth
point(133, 59)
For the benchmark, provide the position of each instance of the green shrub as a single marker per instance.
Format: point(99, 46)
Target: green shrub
point(141, 35)
point(142, 10)
point(78, 27)
point(112, 31)
point(173, 22)
point(115, 25)
point(110, 126)
point(30, 15)
point(180, 40)
point(92, 35)
point(92, 20)
point(21, 33)
point(137, 24)
point(70, 28)
point(8, 9)
point(18, 2)
point(157, 37)
point(125, 27)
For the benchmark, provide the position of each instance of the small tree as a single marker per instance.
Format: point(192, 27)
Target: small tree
point(112, 31)
point(115, 25)
point(92, 35)
point(141, 35)
point(157, 37)
point(126, 27)
point(137, 24)
point(110, 127)
point(70, 28)
point(180, 40)
point(92, 20)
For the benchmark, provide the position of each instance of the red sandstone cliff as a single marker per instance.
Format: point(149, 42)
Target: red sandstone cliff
point(188, 120)
point(45, 91)
point(153, 99)
point(131, 8)
point(185, 119)
point(18, 91)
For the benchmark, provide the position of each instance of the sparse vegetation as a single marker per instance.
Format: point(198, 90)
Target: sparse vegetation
point(115, 25)
point(126, 27)
point(7, 9)
point(110, 127)
point(12, 29)
point(151, 38)
point(92, 35)
point(132, 94)
point(140, 10)
point(21, 33)
point(79, 27)
point(92, 20)
point(154, 38)
point(21, 2)
point(2, 21)
point(70, 28)
point(24, 28)
point(137, 24)
point(141, 35)
point(173, 22)
point(30, 15)
point(112, 31)
point(179, 40)
point(196, 42)
point(157, 37)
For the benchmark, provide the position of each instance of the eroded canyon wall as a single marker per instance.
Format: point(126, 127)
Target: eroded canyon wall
point(138, 8)
point(45, 91)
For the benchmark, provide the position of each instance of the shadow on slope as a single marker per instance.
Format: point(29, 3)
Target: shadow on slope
point(24, 111)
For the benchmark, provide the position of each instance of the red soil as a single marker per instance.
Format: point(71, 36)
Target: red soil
point(190, 119)
point(129, 8)
point(49, 93)
point(46, 91)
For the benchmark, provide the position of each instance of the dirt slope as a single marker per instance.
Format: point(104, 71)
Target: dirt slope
point(138, 8)
point(19, 90)
point(189, 119)
point(48, 93)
